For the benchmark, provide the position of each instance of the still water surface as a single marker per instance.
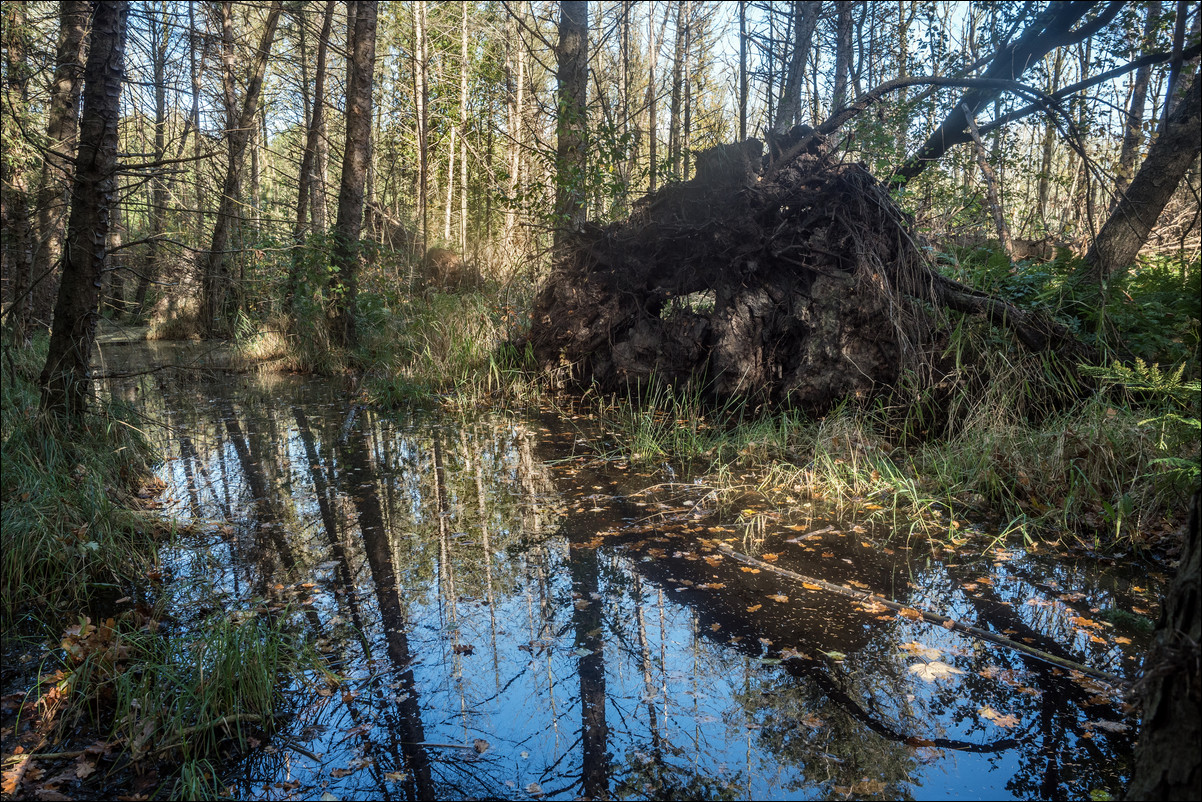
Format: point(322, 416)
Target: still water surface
point(516, 618)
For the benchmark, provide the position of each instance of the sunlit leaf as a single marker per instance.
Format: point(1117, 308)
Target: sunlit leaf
point(911, 613)
point(811, 586)
point(933, 670)
point(778, 597)
point(754, 607)
point(924, 652)
point(1000, 719)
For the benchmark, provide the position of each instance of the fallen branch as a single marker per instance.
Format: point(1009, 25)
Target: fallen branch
point(934, 618)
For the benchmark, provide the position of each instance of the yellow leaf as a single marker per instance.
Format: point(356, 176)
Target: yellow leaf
point(754, 607)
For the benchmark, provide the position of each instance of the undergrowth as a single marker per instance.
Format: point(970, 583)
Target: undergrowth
point(78, 548)
point(70, 538)
point(1018, 441)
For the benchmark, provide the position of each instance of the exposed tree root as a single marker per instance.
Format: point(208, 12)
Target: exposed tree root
point(799, 283)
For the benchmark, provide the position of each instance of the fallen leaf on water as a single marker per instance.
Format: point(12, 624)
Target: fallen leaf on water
point(1000, 719)
point(873, 607)
point(754, 607)
point(342, 772)
point(480, 745)
point(835, 655)
point(84, 768)
point(463, 648)
point(1122, 640)
point(394, 776)
point(914, 647)
point(911, 613)
point(856, 584)
point(715, 627)
point(778, 597)
point(933, 670)
point(811, 586)
point(828, 554)
point(769, 557)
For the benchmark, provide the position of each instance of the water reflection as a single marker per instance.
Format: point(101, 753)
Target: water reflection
point(516, 621)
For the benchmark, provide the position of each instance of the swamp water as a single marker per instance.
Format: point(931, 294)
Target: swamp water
point(514, 618)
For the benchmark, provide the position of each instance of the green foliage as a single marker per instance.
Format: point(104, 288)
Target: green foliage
point(1175, 408)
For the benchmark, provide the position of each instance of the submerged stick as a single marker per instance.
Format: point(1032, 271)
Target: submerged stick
point(934, 618)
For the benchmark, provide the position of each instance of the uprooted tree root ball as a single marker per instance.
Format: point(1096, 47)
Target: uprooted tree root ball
point(799, 283)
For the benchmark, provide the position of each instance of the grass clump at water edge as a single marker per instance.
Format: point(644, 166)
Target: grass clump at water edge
point(78, 550)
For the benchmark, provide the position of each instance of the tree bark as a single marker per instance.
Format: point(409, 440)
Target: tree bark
point(843, 54)
point(54, 192)
point(308, 178)
point(674, 104)
point(160, 33)
point(18, 234)
point(571, 122)
point(66, 378)
point(1167, 766)
point(354, 171)
point(216, 275)
point(1133, 136)
point(991, 189)
point(805, 21)
point(1168, 160)
point(421, 99)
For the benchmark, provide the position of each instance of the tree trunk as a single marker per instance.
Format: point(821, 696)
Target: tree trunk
point(843, 53)
point(18, 235)
point(805, 21)
point(160, 34)
point(652, 89)
point(421, 100)
point(991, 190)
point(682, 10)
point(571, 123)
point(463, 71)
point(65, 378)
point(362, 54)
point(308, 179)
point(54, 196)
point(742, 70)
point(1133, 136)
point(1168, 160)
point(216, 274)
point(1167, 766)
point(1049, 139)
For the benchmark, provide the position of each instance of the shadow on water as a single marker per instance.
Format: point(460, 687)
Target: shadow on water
point(514, 619)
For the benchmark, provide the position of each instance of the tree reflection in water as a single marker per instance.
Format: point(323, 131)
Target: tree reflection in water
point(511, 621)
